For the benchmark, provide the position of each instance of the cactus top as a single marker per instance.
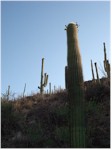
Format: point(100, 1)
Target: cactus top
point(73, 24)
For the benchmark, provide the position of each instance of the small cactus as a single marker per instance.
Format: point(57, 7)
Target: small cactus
point(8, 92)
point(49, 88)
point(92, 72)
point(75, 89)
point(24, 90)
point(106, 63)
point(44, 78)
point(54, 89)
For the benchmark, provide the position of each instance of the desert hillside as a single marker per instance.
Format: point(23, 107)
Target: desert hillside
point(42, 121)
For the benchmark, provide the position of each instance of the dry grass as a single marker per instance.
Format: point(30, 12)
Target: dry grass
point(42, 121)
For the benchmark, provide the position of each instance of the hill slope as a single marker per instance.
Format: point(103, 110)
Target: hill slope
point(43, 121)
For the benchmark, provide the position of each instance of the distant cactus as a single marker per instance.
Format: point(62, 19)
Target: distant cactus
point(49, 88)
point(98, 80)
point(8, 92)
point(47, 91)
point(75, 89)
point(106, 63)
point(44, 78)
point(92, 72)
point(66, 77)
point(54, 89)
point(24, 90)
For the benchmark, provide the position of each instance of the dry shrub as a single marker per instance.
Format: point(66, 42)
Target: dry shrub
point(98, 92)
point(17, 106)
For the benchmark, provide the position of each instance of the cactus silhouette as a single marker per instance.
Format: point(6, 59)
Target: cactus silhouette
point(106, 63)
point(92, 72)
point(75, 89)
point(54, 89)
point(8, 92)
point(49, 88)
point(24, 90)
point(44, 78)
point(98, 80)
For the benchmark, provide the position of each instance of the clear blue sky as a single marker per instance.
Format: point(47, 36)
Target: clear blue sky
point(33, 30)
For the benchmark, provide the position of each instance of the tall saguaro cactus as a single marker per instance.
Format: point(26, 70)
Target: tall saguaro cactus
point(106, 62)
point(44, 78)
point(75, 89)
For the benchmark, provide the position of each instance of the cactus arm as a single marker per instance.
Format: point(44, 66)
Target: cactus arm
point(45, 80)
point(45, 75)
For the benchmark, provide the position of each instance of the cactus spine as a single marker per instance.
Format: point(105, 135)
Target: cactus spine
point(75, 89)
point(44, 78)
point(92, 71)
point(98, 80)
point(106, 63)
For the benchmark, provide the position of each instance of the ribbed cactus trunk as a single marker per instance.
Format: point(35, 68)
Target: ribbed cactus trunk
point(75, 89)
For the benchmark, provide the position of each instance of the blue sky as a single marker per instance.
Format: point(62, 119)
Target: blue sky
point(33, 30)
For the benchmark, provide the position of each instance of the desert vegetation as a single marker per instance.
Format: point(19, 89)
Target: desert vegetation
point(43, 121)
point(75, 117)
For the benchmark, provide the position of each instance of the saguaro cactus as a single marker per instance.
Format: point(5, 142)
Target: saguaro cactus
point(8, 92)
point(44, 78)
point(75, 89)
point(92, 71)
point(106, 62)
point(24, 90)
point(54, 89)
point(49, 88)
point(98, 80)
